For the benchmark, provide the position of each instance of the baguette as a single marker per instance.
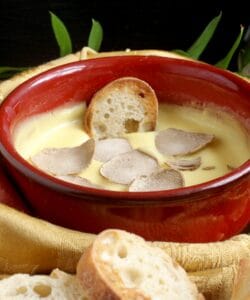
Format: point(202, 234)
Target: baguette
point(241, 286)
point(124, 105)
point(120, 265)
point(59, 285)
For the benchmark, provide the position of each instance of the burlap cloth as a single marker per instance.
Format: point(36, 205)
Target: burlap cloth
point(31, 245)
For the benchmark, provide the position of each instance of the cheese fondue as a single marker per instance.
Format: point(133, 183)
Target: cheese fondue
point(63, 127)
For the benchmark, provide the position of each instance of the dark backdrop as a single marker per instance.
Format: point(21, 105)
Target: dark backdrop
point(26, 37)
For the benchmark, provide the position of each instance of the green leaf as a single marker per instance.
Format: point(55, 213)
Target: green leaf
point(224, 63)
point(95, 36)
point(244, 53)
point(201, 43)
point(181, 52)
point(6, 72)
point(243, 58)
point(246, 70)
point(61, 34)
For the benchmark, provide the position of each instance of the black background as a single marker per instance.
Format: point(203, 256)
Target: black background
point(26, 37)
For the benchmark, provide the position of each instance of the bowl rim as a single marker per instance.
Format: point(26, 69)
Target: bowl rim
point(9, 152)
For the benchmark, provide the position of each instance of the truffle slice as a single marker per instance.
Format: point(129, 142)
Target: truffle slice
point(108, 148)
point(79, 181)
point(65, 161)
point(124, 168)
point(178, 142)
point(230, 168)
point(185, 164)
point(208, 168)
point(157, 181)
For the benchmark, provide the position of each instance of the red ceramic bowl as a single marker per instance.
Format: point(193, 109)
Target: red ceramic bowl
point(206, 212)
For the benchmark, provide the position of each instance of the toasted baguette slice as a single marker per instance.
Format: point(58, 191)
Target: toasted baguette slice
point(124, 105)
point(241, 286)
point(58, 285)
point(120, 265)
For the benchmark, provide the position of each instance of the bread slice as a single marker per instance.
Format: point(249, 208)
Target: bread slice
point(241, 285)
point(124, 105)
point(58, 285)
point(120, 265)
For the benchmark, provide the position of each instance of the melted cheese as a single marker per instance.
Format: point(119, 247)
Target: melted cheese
point(63, 127)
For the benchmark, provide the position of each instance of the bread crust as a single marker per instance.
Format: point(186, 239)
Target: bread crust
point(241, 285)
point(102, 279)
point(89, 277)
point(91, 274)
point(142, 94)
